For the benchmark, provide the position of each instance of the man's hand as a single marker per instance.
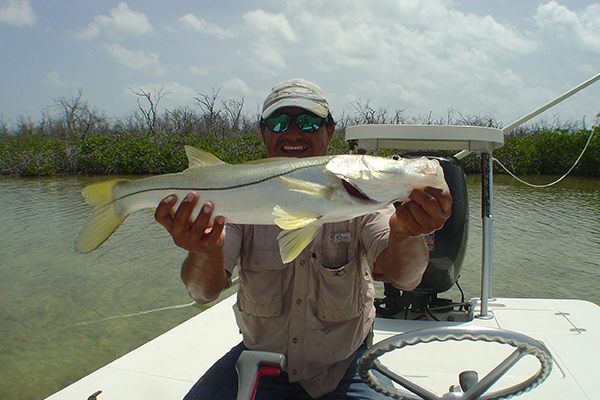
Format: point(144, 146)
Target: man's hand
point(427, 212)
point(203, 270)
point(201, 236)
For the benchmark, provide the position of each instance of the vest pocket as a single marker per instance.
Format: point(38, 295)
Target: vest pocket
point(260, 293)
point(339, 294)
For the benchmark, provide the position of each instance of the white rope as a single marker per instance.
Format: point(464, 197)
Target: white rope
point(140, 313)
point(193, 303)
point(559, 179)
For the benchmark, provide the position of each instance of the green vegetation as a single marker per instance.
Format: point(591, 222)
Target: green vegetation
point(80, 140)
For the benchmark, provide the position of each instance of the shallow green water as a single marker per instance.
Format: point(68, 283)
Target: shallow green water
point(58, 308)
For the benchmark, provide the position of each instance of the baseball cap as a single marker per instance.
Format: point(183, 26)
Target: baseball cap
point(296, 93)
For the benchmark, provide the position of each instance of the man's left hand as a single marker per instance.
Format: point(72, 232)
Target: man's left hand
point(427, 212)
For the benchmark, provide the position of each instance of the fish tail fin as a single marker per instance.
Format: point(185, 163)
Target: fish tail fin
point(105, 216)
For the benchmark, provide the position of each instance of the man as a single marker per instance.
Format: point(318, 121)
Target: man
point(318, 309)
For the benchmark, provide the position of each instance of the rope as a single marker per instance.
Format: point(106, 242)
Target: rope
point(559, 179)
point(192, 304)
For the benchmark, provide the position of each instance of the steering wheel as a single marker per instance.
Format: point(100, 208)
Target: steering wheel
point(471, 387)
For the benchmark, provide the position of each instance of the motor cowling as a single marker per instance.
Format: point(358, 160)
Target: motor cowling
point(447, 246)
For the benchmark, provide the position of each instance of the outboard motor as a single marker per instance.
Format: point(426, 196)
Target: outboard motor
point(447, 248)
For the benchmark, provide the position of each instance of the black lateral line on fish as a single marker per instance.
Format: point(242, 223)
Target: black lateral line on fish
point(216, 189)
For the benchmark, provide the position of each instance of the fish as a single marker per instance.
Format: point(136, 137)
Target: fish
point(296, 194)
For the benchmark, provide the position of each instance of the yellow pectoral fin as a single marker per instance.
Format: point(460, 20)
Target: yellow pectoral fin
point(306, 187)
point(288, 220)
point(292, 242)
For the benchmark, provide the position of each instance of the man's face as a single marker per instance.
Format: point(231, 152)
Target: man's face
point(295, 143)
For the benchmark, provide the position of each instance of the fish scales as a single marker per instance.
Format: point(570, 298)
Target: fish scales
point(298, 195)
point(212, 177)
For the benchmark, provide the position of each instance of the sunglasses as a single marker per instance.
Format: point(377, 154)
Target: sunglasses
point(305, 122)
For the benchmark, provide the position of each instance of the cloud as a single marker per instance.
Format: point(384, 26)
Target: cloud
point(571, 29)
point(237, 87)
point(53, 78)
point(202, 70)
point(122, 21)
point(270, 25)
point(402, 52)
point(136, 59)
point(17, 13)
point(272, 34)
point(168, 90)
point(190, 21)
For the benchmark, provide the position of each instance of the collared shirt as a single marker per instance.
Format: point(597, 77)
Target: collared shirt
point(317, 309)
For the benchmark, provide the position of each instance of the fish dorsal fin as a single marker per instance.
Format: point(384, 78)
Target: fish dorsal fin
point(292, 242)
point(200, 158)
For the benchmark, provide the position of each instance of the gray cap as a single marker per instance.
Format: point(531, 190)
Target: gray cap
point(296, 93)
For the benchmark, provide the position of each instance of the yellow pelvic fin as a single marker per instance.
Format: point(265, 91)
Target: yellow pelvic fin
point(306, 187)
point(292, 242)
point(288, 220)
point(105, 219)
point(200, 158)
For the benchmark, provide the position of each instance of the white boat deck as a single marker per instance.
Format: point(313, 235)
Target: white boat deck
point(166, 367)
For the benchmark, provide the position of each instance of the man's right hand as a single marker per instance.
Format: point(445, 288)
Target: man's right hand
point(200, 236)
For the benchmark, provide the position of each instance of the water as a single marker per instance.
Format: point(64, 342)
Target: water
point(63, 315)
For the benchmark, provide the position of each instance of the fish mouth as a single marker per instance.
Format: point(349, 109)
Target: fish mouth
point(356, 192)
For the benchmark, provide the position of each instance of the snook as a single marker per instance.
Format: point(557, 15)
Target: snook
point(297, 194)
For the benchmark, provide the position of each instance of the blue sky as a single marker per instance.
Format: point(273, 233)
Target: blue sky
point(488, 57)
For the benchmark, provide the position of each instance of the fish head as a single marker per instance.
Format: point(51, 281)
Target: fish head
point(384, 180)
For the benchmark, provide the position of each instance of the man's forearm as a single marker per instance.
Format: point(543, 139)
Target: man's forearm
point(204, 275)
point(404, 261)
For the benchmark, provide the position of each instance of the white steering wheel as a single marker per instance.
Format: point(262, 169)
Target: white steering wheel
point(472, 388)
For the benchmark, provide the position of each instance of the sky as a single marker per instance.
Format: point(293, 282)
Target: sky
point(496, 58)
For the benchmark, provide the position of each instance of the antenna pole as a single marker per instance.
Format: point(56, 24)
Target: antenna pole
point(554, 102)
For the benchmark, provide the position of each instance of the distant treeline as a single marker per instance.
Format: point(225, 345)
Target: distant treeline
point(73, 138)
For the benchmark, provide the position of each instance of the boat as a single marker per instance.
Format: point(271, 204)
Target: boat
point(433, 348)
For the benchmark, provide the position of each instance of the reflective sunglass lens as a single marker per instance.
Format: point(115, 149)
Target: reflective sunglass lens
point(279, 124)
point(309, 123)
point(305, 122)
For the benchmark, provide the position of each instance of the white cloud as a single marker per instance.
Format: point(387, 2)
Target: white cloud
point(270, 25)
point(190, 21)
point(53, 78)
point(271, 34)
point(410, 54)
point(202, 70)
point(580, 30)
point(136, 59)
point(237, 87)
point(122, 21)
point(17, 13)
point(168, 90)
point(179, 91)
